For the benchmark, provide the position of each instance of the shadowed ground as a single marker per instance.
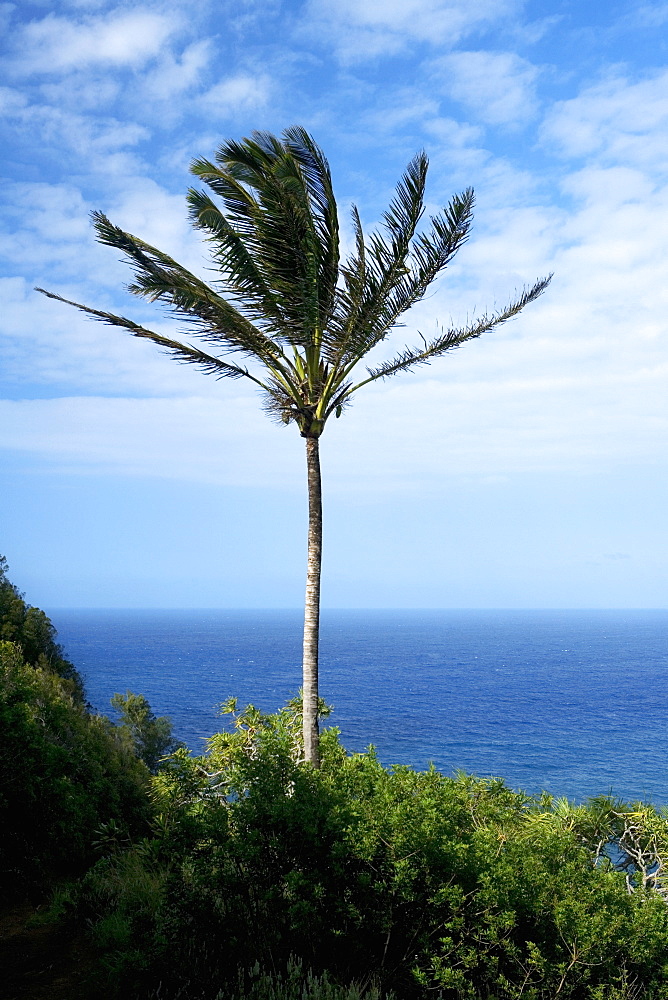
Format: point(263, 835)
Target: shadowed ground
point(39, 961)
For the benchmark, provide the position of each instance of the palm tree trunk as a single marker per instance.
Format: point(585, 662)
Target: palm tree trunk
point(312, 604)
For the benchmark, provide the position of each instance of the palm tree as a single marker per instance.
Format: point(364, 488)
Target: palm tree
point(286, 302)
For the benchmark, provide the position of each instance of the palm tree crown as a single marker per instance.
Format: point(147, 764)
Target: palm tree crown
point(286, 301)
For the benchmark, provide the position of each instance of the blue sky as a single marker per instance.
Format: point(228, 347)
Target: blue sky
point(526, 470)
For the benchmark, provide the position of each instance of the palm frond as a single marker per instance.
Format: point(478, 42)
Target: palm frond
point(433, 251)
point(355, 323)
point(279, 204)
point(430, 253)
point(182, 352)
point(159, 277)
point(241, 275)
point(407, 206)
point(453, 338)
point(318, 180)
point(345, 327)
point(381, 306)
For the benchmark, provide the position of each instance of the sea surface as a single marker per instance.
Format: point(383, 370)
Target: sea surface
point(574, 702)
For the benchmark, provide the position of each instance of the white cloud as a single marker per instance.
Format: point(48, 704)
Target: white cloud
point(57, 44)
point(455, 150)
point(414, 434)
point(89, 135)
point(236, 93)
point(43, 226)
point(11, 101)
point(46, 344)
point(384, 27)
point(153, 214)
point(530, 32)
point(409, 435)
point(403, 107)
point(649, 15)
point(87, 90)
point(173, 75)
point(54, 212)
point(499, 87)
point(616, 119)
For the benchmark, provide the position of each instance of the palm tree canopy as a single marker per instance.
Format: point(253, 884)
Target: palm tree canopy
point(284, 298)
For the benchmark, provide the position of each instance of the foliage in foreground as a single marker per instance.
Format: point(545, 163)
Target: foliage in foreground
point(457, 888)
point(297, 983)
point(64, 773)
point(71, 782)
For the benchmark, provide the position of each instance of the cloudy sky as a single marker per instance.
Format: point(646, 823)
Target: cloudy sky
point(526, 470)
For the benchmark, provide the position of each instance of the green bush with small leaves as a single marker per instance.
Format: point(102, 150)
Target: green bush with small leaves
point(63, 773)
point(29, 628)
point(455, 888)
point(149, 735)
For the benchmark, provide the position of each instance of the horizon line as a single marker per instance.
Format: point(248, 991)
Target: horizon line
point(300, 609)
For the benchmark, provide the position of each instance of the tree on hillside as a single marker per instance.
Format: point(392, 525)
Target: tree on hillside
point(63, 773)
point(33, 631)
point(285, 301)
point(149, 735)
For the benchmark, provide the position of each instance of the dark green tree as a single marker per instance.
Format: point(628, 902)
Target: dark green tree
point(285, 301)
point(63, 773)
point(32, 630)
point(150, 735)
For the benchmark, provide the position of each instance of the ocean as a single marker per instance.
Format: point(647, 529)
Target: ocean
point(572, 702)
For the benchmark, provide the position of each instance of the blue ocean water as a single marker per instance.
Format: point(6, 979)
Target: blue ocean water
point(573, 702)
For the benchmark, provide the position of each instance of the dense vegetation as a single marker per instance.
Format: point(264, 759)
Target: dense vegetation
point(245, 873)
point(63, 773)
point(420, 884)
point(66, 775)
point(30, 628)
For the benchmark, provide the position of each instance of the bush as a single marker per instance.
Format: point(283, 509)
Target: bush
point(30, 628)
point(63, 773)
point(457, 888)
point(149, 735)
point(296, 984)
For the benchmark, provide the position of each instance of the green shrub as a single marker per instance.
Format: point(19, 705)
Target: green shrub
point(296, 984)
point(30, 629)
point(63, 773)
point(456, 888)
point(149, 735)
